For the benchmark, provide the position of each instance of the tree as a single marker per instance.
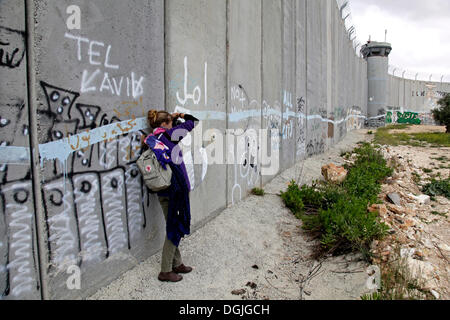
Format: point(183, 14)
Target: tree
point(442, 114)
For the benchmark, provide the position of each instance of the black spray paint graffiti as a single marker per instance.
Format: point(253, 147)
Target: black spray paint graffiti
point(18, 268)
point(19, 276)
point(95, 204)
point(59, 101)
point(301, 127)
point(315, 147)
point(20, 279)
point(12, 47)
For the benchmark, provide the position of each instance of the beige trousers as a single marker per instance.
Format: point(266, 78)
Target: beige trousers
point(171, 257)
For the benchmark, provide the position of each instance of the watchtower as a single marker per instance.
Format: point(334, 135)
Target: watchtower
point(377, 56)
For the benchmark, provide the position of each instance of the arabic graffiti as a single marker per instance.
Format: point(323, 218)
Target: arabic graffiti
point(196, 94)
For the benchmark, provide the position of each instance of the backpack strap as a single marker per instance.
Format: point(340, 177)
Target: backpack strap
point(164, 133)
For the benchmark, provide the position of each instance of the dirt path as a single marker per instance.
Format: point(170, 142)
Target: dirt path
point(258, 247)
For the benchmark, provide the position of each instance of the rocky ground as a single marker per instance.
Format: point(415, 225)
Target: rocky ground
point(420, 233)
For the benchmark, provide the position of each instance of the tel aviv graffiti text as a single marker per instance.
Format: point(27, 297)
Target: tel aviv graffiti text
point(95, 54)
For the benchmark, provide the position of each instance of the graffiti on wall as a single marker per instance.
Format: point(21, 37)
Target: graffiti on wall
point(354, 118)
point(288, 120)
point(301, 127)
point(93, 51)
point(94, 200)
point(12, 47)
point(19, 270)
point(430, 95)
point(405, 117)
point(185, 100)
point(246, 165)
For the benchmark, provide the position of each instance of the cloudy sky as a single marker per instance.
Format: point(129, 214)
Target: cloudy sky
point(419, 31)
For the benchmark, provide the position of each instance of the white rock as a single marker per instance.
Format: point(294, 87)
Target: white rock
point(444, 246)
point(435, 294)
point(424, 199)
point(407, 252)
point(420, 269)
point(428, 244)
point(413, 196)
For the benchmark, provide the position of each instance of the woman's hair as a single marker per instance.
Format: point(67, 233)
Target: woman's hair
point(156, 118)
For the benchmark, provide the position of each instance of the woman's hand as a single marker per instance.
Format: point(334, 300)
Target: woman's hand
point(177, 115)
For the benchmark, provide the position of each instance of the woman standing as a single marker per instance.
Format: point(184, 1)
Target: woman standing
point(175, 199)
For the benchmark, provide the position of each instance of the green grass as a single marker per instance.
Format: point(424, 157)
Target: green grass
point(441, 159)
point(337, 213)
point(258, 192)
point(435, 139)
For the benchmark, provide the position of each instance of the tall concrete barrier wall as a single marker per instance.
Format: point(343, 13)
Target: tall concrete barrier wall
point(73, 109)
point(411, 101)
point(19, 263)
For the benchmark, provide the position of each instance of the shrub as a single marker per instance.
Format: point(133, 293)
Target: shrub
point(364, 177)
point(366, 152)
point(349, 225)
point(442, 114)
point(360, 183)
point(438, 188)
point(293, 199)
point(338, 213)
point(312, 197)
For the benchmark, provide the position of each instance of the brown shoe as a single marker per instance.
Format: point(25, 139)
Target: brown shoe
point(169, 277)
point(182, 269)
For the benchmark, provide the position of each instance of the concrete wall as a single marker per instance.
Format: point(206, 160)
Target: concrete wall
point(19, 266)
point(409, 100)
point(73, 111)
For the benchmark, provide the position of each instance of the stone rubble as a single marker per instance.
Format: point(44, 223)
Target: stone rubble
point(419, 225)
point(333, 173)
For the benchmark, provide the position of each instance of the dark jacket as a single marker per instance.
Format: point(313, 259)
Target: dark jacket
point(179, 215)
point(170, 139)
